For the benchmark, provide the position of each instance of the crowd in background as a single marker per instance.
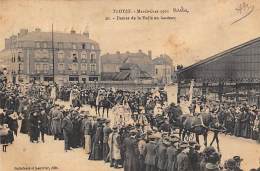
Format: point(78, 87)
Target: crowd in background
point(239, 119)
point(125, 144)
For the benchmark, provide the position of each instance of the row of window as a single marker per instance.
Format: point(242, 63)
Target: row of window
point(18, 59)
point(61, 67)
point(75, 57)
point(43, 68)
point(61, 45)
point(162, 71)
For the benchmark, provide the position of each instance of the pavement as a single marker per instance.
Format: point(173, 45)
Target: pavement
point(23, 155)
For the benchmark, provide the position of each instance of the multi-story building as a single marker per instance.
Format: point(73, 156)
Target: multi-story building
point(163, 69)
point(74, 56)
point(112, 63)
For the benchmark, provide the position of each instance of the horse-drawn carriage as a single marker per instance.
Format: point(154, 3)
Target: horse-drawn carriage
point(192, 126)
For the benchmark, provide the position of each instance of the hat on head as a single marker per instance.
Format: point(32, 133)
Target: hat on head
point(114, 127)
point(174, 140)
point(132, 132)
point(211, 166)
point(230, 164)
point(166, 142)
point(237, 158)
point(183, 145)
point(209, 150)
point(192, 143)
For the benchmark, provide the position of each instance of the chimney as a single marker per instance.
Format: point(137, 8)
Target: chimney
point(150, 53)
point(7, 43)
point(140, 51)
point(37, 30)
point(118, 52)
point(127, 52)
point(86, 34)
point(73, 31)
point(23, 32)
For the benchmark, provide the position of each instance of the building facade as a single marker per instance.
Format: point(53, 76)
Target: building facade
point(230, 75)
point(164, 69)
point(76, 57)
point(112, 63)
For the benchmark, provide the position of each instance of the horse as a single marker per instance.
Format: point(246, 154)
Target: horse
point(199, 125)
point(106, 104)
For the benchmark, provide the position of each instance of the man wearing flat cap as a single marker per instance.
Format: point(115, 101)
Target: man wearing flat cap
point(107, 131)
point(130, 146)
point(87, 129)
point(183, 162)
point(162, 156)
point(150, 153)
point(238, 161)
point(171, 153)
point(141, 146)
point(114, 146)
point(230, 165)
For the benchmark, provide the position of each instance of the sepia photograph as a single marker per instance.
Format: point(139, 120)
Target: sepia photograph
point(140, 85)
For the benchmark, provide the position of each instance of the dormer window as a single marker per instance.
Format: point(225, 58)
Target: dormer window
point(60, 56)
point(83, 56)
point(74, 46)
point(92, 57)
point(37, 44)
point(44, 45)
point(19, 57)
point(74, 56)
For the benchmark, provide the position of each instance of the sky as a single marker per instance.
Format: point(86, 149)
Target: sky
point(205, 30)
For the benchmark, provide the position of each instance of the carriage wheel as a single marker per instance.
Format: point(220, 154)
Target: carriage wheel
point(189, 136)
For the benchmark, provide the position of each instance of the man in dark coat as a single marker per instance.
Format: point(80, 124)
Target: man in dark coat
point(183, 162)
point(150, 154)
point(245, 123)
point(106, 130)
point(130, 146)
point(162, 156)
point(97, 151)
point(141, 147)
point(67, 128)
point(34, 127)
point(172, 155)
point(237, 126)
point(43, 124)
point(10, 103)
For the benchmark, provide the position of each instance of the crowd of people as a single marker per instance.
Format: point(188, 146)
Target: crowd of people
point(131, 139)
point(239, 119)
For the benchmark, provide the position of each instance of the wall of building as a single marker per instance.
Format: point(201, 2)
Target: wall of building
point(163, 73)
point(37, 59)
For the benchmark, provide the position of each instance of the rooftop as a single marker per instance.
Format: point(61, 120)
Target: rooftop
point(222, 54)
point(127, 57)
point(57, 37)
point(162, 60)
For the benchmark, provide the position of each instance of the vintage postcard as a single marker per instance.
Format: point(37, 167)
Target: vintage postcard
point(140, 85)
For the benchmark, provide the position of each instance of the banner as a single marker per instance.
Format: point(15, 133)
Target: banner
point(172, 91)
point(191, 91)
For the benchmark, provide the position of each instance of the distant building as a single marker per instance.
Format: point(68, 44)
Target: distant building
point(76, 57)
point(231, 75)
point(128, 72)
point(113, 62)
point(164, 69)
